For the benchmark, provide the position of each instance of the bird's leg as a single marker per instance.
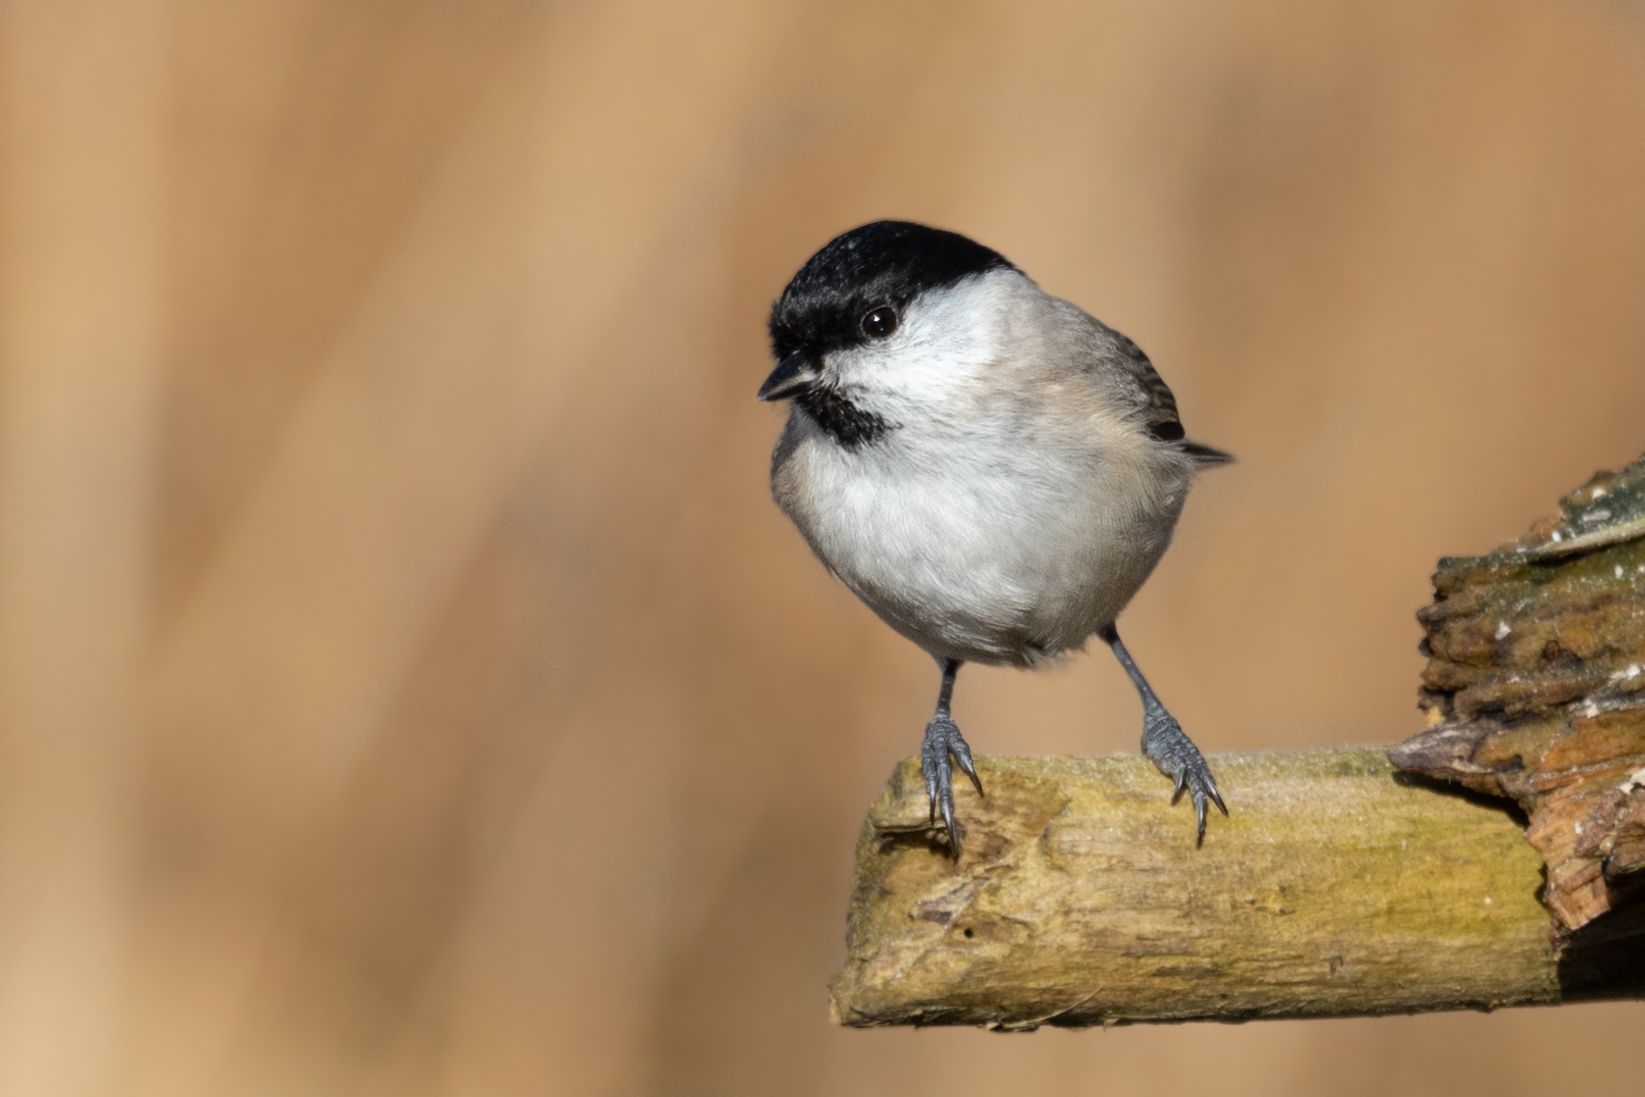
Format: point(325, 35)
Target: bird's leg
point(1164, 741)
point(942, 740)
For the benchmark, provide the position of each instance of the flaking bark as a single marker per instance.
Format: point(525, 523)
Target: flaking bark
point(1535, 686)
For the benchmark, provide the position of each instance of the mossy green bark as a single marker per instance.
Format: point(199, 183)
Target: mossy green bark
point(1333, 888)
point(1535, 690)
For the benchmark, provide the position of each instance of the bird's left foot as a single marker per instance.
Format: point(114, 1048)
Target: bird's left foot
point(1169, 747)
point(942, 741)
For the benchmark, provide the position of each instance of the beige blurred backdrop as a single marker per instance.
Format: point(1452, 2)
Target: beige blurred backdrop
point(407, 685)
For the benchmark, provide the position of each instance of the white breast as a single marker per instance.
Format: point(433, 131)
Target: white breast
point(998, 549)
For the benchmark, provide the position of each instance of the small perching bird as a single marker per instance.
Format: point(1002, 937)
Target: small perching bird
point(994, 471)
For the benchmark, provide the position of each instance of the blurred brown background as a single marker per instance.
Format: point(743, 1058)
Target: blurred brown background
point(407, 685)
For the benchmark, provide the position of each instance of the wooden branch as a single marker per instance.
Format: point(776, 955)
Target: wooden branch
point(1334, 888)
point(1535, 687)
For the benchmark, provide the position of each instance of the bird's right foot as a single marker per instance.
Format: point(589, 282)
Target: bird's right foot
point(1176, 756)
point(942, 742)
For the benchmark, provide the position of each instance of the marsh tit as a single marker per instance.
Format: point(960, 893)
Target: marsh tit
point(994, 471)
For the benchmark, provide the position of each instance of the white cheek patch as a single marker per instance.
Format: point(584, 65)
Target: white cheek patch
point(947, 338)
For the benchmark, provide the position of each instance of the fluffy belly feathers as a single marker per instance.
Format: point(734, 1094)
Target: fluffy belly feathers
point(995, 563)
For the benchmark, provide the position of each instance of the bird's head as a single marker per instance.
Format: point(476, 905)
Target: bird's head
point(886, 322)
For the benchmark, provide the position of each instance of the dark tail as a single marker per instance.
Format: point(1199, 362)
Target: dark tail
point(1207, 456)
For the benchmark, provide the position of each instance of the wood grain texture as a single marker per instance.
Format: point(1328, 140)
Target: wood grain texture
point(1334, 888)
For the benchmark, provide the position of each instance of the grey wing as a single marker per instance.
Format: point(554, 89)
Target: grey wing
point(1140, 383)
point(1157, 406)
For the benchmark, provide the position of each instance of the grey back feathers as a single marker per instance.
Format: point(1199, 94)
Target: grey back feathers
point(1156, 406)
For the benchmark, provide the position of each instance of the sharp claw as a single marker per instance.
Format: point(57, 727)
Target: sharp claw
point(1182, 786)
point(1199, 819)
point(953, 830)
point(962, 755)
point(1216, 797)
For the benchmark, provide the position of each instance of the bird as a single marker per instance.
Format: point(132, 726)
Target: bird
point(991, 469)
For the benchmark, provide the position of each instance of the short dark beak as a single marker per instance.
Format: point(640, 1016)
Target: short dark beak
point(793, 376)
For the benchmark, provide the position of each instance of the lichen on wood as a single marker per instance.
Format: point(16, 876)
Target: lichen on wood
point(1333, 888)
point(1535, 689)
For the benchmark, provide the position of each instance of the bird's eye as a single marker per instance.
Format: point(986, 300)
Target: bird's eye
point(880, 322)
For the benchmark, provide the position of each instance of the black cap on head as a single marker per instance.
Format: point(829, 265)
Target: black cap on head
point(882, 263)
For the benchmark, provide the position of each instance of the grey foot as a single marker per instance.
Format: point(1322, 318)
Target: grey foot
point(1164, 741)
point(942, 740)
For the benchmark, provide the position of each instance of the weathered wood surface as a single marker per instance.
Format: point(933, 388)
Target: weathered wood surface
point(1535, 689)
point(1333, 888)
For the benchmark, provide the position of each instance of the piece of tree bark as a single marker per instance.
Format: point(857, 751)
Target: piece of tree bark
point(1333, 888)
point(1535, 687)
